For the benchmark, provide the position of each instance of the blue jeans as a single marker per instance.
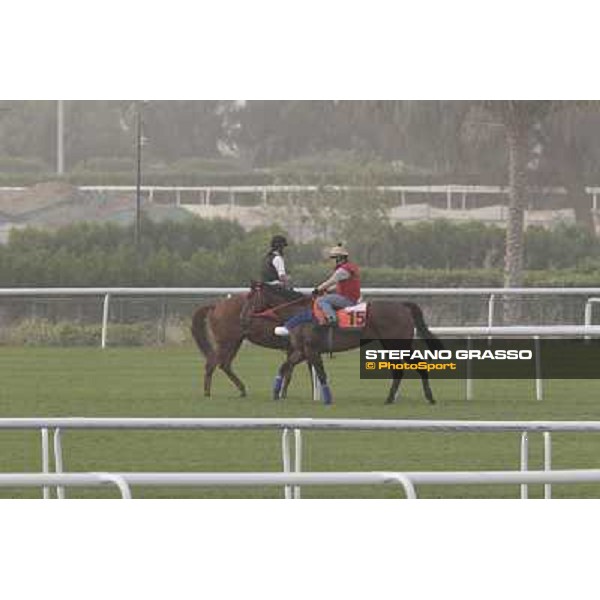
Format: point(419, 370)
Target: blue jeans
point(330, 302)
point(303, 317)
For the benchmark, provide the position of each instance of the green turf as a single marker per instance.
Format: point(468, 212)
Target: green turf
point(167, 382)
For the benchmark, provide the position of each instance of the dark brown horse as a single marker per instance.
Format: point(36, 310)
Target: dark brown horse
point(390, 322)
point(218, 333)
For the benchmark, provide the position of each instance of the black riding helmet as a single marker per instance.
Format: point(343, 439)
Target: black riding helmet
point(278, 241)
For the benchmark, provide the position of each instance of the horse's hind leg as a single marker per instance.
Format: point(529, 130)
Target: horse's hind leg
point(426, 387)
point(209, 369)
point(395, 388)
point(234, 379)
point(227, 357)
point(394, 392)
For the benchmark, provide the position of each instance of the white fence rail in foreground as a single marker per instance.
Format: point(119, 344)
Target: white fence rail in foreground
point(293, 478)
point(408, 479)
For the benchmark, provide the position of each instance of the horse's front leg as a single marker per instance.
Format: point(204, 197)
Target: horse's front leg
point(317, 362)
point(287, 380)
point(285, 373)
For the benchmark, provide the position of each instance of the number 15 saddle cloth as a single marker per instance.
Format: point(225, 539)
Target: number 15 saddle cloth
point(352, 317)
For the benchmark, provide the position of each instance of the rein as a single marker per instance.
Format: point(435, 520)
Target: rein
point(271, 313)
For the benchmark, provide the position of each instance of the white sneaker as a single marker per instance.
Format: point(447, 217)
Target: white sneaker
point(282, 331)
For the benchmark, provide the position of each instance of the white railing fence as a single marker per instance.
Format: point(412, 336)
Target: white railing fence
point(408, 479)
point(110, 293)
point(292, 476)
point(587, 330)
point(457, 196)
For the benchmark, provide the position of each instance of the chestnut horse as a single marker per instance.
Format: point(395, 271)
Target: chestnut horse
point(218, 333)
point(390, 322)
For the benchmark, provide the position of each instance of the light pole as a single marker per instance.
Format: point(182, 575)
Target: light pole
point(60, 137)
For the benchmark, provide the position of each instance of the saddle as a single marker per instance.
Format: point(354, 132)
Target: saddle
point(353, 318)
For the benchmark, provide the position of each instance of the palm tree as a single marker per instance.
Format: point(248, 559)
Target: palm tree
point(518, 118)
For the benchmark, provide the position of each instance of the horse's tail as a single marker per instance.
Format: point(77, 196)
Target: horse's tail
point(199, 330)
point(424, 332)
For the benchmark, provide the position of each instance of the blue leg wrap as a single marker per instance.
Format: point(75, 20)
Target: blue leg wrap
point(326, 392)
point(277, 385)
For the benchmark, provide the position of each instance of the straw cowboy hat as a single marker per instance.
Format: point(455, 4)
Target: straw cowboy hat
point(338, 251)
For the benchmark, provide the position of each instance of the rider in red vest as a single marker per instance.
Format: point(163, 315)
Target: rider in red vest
point(346, 282)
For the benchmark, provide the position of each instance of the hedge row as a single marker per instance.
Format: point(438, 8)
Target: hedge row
point(220, 253)
point(111, 178)
point(308, 275)
point(42, 332)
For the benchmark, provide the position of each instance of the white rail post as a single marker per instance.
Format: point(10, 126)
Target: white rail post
point(524, 462)
point(105, 310)
point(490, 322)
point(119, 481)
point(588, 315)
point(285, 454)
point(469, 381)
point(316, 385)
point(547, 463)
point(539, 382)
point(162, 333)
point(45, 461)
point(297, 458)
point(58, 462)
point(407, 484)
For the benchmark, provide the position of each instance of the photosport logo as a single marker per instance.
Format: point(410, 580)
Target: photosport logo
point(483, 358)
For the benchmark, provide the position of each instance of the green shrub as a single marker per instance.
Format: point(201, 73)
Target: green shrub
point(16, 179)
point(105, 164)
point(168, 178)
point(203, 252)
point(17, 164)
point(132, 334)
point(308, 275)
point(207, 165)
point(42, 332)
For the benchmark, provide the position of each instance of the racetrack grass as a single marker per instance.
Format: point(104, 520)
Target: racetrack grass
point(167, 382)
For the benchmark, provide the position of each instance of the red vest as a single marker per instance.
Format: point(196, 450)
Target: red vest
point(350, 288)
